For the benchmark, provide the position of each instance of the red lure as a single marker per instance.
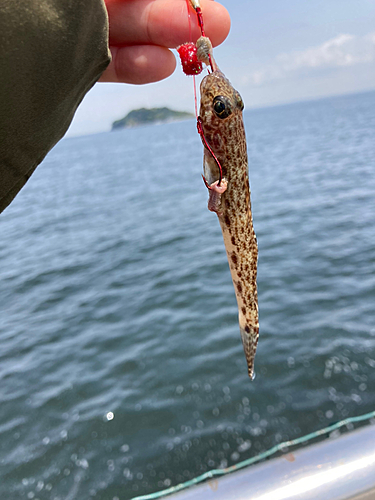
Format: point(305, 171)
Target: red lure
point(188, 51)
point(189, 61)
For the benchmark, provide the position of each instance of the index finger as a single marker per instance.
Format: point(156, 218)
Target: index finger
point(163, 22)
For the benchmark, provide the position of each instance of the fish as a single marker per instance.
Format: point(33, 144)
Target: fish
point(226, 175)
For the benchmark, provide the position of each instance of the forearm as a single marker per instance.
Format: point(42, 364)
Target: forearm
point(52, 53)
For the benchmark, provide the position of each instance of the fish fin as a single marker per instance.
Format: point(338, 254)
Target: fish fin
point(249, 336)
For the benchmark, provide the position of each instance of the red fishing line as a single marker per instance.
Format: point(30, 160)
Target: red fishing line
point(200, 19)
point(201, 133)
point(190, 40)
point(189, 18)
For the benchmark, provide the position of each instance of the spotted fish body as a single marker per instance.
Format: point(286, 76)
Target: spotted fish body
point(223, 129)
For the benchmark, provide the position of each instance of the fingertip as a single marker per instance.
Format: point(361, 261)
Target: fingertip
point(216, 21)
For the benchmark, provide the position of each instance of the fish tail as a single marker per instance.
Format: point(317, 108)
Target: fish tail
point(249, 336)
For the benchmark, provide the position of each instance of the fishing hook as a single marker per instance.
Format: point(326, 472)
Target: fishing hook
point(201, 133)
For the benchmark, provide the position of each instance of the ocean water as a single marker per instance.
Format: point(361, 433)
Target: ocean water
point(121, 365)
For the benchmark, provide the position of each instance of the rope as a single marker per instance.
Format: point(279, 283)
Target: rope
point(245, 463)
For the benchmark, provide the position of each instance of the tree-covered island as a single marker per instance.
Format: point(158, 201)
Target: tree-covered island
point(144, 116)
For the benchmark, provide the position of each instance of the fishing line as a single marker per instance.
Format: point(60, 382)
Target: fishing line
point(188, 4)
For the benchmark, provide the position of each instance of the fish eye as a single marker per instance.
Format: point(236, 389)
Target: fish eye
point(221, 107)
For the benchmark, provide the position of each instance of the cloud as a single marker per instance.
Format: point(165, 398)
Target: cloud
point(342, 51)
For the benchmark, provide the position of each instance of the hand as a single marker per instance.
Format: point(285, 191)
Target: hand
point(142, 31)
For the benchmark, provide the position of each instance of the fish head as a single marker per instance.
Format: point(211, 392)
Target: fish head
point(220, 104)
point(220, 113)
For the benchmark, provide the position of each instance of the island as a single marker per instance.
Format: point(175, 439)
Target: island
point(145, 116)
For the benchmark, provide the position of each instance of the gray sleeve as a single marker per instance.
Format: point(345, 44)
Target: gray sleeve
point(52, 52)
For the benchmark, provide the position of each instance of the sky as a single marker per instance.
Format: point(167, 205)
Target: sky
point(276, 52)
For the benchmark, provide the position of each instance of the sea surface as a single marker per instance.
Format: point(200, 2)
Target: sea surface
point(121, 365)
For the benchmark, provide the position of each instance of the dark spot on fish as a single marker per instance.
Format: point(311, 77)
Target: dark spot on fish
point(227, 220)
point(216, 140)
point(233, 240)
point(247, 329)
point(243, 310)
point(227, 204)
point(234, 258)
point(239, 287)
